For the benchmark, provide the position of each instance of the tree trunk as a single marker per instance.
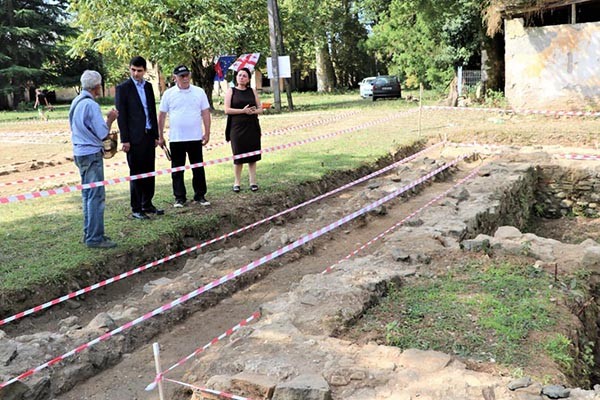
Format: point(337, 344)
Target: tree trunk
point(324, 68)
point(203, 73)
point(452, 99)
point(493, 63)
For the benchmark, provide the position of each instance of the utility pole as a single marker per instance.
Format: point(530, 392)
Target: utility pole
point(272, 10)
point(281, 48)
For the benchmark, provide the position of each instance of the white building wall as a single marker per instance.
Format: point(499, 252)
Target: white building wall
point(553, 67)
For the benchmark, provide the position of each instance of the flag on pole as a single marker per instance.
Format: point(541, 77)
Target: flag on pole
point(221, 66)
point(245, 60)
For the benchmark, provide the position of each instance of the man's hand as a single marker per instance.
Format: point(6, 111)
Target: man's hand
point(126, 147)
point(111, 116)
point(161, 141)
point(205, 139)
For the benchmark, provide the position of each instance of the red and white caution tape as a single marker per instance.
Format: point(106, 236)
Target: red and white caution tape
point(39, 178)
point(568, 156)
point(594, 157)
point(475, 144)
point(199, 350)
point(75, 188)
point(206, 243)
point(382, 234)
point(280, 131)
point(284, 131)
point(33, 120)
point(234, 274)
point(211, 391)
point(519, 111)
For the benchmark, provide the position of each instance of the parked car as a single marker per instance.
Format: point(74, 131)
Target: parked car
point(366, 88)
point(386, 86)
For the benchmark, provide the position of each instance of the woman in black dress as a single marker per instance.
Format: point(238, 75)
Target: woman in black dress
point(242, 107)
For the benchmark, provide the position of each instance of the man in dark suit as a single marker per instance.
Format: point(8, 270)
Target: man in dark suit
point(138, 126)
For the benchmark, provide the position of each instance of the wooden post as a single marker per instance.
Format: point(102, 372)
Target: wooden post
point(420, 107)
point(156, 350)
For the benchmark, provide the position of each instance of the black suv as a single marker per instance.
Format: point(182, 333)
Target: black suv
point(386, 86)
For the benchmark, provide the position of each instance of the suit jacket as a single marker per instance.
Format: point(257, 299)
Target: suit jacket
point(132, 119)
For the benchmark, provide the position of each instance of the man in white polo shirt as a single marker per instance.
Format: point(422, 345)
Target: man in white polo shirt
point(188, 109)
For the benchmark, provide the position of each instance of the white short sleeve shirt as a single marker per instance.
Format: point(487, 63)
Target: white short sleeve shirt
point(184, 107)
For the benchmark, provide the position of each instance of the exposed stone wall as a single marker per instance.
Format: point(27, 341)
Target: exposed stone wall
point(552, 67)
point(565, 191)
point(509, 206)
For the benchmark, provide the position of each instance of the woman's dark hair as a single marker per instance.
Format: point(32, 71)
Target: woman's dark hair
point(247, 71)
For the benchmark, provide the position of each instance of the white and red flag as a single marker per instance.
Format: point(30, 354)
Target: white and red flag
point(245, 60)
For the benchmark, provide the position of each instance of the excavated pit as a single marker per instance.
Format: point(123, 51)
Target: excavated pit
point(566, 208)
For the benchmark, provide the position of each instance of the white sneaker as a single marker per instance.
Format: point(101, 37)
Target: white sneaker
point(178, 204)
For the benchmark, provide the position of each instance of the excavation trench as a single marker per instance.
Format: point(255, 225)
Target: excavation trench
point(502, 194)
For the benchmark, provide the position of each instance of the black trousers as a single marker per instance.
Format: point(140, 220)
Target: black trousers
point(193, 150)
point(140, 158)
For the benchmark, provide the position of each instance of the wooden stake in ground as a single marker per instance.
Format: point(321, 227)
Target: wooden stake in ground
point(420, 107)
point(156, 350)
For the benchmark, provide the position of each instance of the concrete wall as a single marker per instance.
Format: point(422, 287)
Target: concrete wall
point(553, 67)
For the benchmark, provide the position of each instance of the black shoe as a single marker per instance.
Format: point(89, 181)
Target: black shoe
point(179, 203)
point(139, 215)
point(202, 201)
point(105, 244)
point(254, 188)
point(154, 210)
point(236, 188)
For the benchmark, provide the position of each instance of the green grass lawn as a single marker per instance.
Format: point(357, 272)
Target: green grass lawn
point(41, 238)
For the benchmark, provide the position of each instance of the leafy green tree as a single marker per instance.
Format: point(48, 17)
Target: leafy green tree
point(65, 71)
point(424, 40)
point(328, 36)
point(348, 51)
point(316, 20)
point(172, 32)
point(29, 32)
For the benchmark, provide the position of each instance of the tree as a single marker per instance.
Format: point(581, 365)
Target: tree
point(328, 36)
point(29, 32)
point(348, 51)
point(65, 70)
point(172, 32)
point(424, 40)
